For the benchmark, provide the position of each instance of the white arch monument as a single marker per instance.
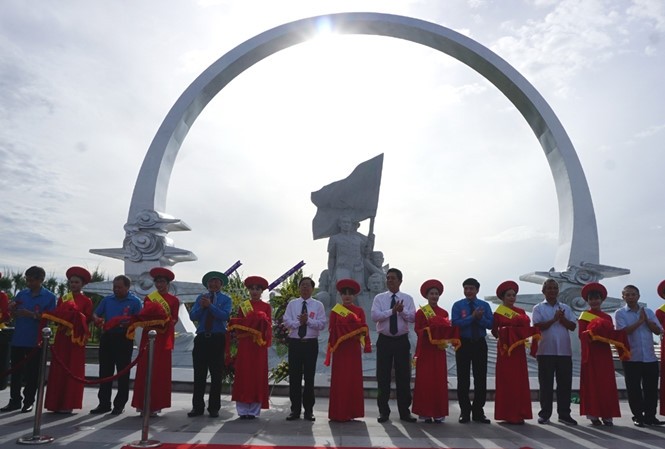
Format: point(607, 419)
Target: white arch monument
point(146, 244)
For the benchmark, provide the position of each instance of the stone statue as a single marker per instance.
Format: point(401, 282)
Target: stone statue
point(374, 265)
point(324, 294)
point(376, 283)
point(341, 206)
point(347, 252)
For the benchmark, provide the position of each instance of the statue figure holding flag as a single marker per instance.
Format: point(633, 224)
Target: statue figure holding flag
point(347, 252)
point(341, 206)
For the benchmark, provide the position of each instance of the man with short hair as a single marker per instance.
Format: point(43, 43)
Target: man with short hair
point(473, 316)
point(27, 308)
point(392, 311)
point(555, 356)
point(115, 349)
point(305, 317)
point(212, 310)
point(641, 371)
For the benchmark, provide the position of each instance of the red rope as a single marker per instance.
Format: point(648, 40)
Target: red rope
point(23, 361)
point(85, 381)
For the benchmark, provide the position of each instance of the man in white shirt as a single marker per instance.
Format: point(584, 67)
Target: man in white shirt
point(305, 317)
point(641, 371)
point(393, 311)
point(555, 321)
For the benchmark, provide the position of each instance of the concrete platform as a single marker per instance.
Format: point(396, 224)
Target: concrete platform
point(82, 430)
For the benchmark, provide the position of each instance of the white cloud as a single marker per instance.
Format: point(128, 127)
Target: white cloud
point(520, 233)
point(649, 10)
point(650, 131)
point(552, 49)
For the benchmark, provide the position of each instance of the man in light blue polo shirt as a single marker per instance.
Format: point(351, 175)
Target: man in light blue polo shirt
point(641, 371)
point(115, 349)
point(27, 308)
point(211, 311)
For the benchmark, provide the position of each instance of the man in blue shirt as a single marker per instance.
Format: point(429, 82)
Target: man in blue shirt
point(27, 308)
point(641, 371)
point(473, 316)
point(212, 311)
point(115, 349)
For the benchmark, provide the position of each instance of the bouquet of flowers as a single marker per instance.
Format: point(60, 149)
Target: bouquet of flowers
point(280, 336)
point(279, 298)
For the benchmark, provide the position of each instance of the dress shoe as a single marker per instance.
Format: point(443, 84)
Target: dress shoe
point(117, 410)
point(608, 422)
point(309, 417)
point(27, 408)
point(463, 419)
point(596, 422)
point(382, 418)
point(542, 420)
point(653, 422)
point(638, 422)
point(567, 420)
point(428, 421)
point(194, 412)
point(481, 419)
point(10, 407)
point(293, 417)
point(100, 409)
point(213, 413)
point(250, 417)
point(408, 418)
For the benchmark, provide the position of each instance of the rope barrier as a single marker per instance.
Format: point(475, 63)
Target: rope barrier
point(83, 380)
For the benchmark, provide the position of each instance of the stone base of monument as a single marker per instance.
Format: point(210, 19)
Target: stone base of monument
point(182, 374)
point(182, 381)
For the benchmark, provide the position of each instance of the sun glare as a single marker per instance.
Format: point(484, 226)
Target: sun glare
point(324, 27)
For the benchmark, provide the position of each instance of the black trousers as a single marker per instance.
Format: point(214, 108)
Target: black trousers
point(208, 357)
point(642, 388)
point(302, 363)
point(29, 372)
point(551, 367)
point(472, 355)
point(115, 354)
point(5, 340)
point(393, 352)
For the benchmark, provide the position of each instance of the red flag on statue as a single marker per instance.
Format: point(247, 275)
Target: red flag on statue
point(356, 196)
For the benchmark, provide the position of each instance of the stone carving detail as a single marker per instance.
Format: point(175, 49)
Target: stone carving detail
point(146, 241)
point(347, 252)
point(143, 245)
point(571, 282)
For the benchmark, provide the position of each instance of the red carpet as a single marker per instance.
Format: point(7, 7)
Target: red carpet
point(243, 446)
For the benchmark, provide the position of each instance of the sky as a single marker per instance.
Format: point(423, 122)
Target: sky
point(466, 188)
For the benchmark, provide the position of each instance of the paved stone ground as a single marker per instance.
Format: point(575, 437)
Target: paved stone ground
point(82, 430)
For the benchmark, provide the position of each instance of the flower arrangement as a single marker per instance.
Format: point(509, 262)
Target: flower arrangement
point(279, 372)
point(238, 293)
point(280, 335)
point(279, 298)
